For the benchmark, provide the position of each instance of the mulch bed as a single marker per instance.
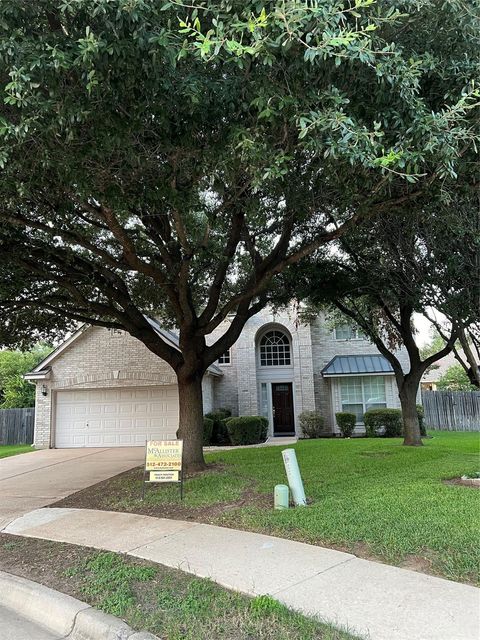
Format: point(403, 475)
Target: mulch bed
point(43, 561)
point(104, 495)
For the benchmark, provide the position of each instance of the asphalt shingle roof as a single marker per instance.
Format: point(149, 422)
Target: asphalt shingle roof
point(356, 365)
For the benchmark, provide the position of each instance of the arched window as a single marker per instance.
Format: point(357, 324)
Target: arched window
point(274, 349)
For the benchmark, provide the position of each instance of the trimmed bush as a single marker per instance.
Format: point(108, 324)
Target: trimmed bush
point(207, 431)
point(219, 433)
point(311, 423)
point(421, 422)
point(247, 429)
point(383, 422)
point(346, 422)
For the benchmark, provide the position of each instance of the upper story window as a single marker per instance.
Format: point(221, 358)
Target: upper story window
point(274, 349)
point(225, 358)
point(348, 332)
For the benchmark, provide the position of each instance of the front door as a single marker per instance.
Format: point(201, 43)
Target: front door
point(282, 405)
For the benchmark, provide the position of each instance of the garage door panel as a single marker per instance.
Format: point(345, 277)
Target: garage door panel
point(142, 394)
point(113, 417)
point(107, 408)
point(80, 425)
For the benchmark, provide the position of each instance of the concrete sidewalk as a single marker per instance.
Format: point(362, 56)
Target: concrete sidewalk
point(377, 601)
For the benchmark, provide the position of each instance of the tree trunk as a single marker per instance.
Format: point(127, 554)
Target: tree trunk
point(191, 421)
point(411, 426)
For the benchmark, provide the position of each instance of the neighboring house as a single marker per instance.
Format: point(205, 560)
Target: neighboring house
point(433, 374)
point(103, 388)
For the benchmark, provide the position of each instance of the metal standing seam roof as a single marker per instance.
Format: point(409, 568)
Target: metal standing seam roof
point(356, 365)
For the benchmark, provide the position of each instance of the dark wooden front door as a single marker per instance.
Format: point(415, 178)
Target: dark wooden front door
point(282, 403)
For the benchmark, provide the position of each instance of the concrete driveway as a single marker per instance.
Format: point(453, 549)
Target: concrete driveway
point(32, 480)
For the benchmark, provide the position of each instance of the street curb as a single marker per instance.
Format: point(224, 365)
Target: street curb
point(61, 614)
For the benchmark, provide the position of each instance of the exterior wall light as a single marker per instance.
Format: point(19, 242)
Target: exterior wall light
point(44, 390)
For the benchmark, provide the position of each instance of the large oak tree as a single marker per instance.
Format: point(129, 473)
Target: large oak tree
point(417, 261)
point(168, 160)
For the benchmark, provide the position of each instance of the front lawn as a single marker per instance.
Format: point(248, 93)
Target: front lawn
point(373, 497)
point(14, 449)
point(169, 603)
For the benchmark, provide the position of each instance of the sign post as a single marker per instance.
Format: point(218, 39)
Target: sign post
point(163, 463)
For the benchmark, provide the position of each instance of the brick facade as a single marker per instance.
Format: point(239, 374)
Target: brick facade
point(100, 358)
point(313, 346)
point(324, 348)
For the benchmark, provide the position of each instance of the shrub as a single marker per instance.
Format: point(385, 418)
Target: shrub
point(346, 422)
point(311, 423)
point(421, 422)
point(247, 429)
point(207, 431)
point(219, 434)
point(388, 420)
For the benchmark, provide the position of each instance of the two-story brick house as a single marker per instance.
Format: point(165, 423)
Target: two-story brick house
point(104, 388)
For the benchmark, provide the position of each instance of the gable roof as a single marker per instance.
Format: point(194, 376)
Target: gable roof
point(42, 370)
point(357, 365)
point(440, 367)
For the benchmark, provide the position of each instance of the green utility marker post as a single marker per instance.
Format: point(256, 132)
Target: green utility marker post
point(294, 477)
point(280, 497)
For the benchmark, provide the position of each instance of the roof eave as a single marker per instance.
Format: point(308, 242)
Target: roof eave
point(358, 373)
point(169, 337)
point(56, 352)
point(43, 374)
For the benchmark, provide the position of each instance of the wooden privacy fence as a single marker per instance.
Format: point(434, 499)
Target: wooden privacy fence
point(452, 410)
point(16, 426)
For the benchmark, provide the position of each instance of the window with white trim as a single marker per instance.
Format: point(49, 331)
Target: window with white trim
point(264, 399)
point(225, 358)
point(359, 394)
point(275, 349)
point(348, 332)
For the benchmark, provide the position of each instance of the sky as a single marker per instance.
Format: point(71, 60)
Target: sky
point(423, 327)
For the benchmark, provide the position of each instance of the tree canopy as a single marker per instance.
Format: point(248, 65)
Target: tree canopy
point(15, 392)
point(172, 159)
point(455, 379)
point(393, 267)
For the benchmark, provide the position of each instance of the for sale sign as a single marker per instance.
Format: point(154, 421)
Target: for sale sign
point(164, 455)
point(163, 463)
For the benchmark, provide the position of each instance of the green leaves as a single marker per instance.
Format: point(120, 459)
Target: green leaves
point(178, 116)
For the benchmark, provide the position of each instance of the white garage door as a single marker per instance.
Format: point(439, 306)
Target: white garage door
point(115, 417)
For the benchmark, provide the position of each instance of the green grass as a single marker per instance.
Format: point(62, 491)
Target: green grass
point(376, 493)
point(176, 606)
point(14, 449)
point(371, 496)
